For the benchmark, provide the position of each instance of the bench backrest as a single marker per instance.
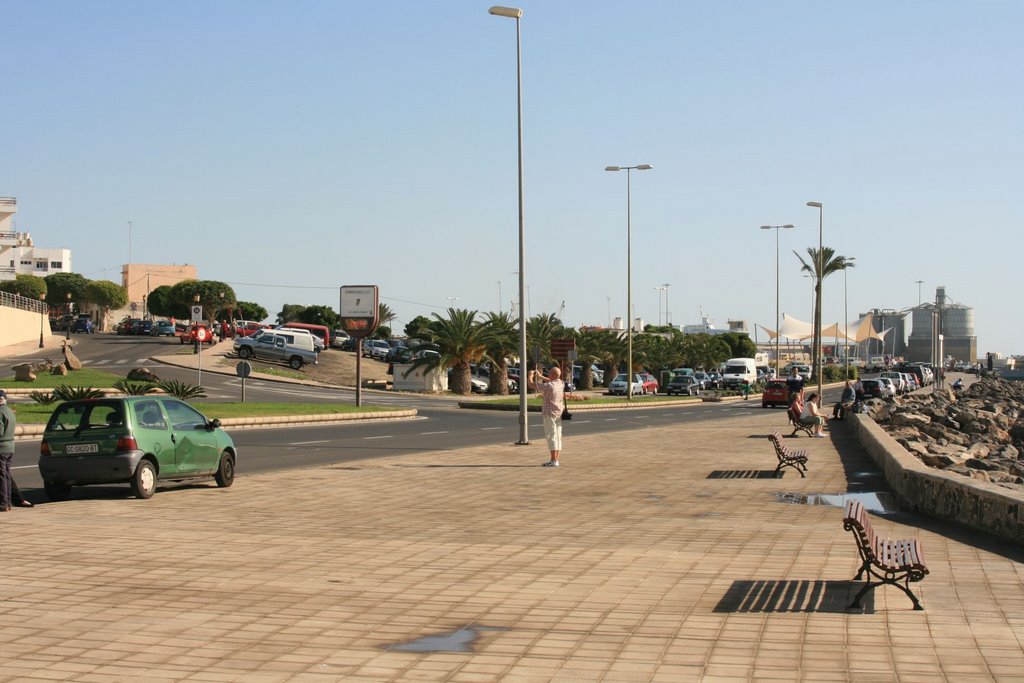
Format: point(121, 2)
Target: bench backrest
point(858, 521)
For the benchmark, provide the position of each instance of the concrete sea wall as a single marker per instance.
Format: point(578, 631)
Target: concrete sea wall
point(978, 504)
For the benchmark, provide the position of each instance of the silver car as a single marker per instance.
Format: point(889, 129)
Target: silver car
point(618, 385)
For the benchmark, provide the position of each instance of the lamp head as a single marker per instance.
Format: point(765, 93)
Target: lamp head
point(511, 12)
point(644, 167)
point(816, 205)
point(612, 168)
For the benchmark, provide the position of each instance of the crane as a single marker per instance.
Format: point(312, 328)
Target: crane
point(561, 310)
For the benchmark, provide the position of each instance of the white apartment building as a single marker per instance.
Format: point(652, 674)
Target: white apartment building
point(19, 256)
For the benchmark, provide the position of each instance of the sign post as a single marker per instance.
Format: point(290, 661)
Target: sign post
point(564, 350)
point(200, 338)
point(243, 370)
point(359, 317)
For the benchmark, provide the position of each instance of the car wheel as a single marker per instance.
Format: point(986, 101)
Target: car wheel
point(144, 480)
point(295, 363)
point(57, 490)
point(244, 352)
point(225, 476)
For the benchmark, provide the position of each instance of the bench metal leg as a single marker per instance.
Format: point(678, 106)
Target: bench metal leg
point(892, 581)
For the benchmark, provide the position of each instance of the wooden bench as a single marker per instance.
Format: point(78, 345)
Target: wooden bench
point(798, 426)
point(890, 562)
point(787, 458)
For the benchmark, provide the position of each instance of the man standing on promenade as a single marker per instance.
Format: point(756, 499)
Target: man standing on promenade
point(552, 388)
point(7, 424)
point(795, 384)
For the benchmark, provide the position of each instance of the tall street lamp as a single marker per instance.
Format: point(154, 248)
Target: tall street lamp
point(668, 313)
point(42, 317)
point(776, 228)
point(517, 14)
point(661, 288)
point(629, 276)
point(67, 318)
point(919, 283)
point(846, 321)
point(817, 293)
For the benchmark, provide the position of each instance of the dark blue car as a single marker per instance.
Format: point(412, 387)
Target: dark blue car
point(83, 325)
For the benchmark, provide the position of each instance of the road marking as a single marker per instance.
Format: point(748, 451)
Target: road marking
point(102, 362)
point(428, 433)
point(367, 438)
point(142, 360)
point(581, 422)
point(122, 362)
point(611, 419)
point(484, 429)
point(25, 467)
point(306, 443)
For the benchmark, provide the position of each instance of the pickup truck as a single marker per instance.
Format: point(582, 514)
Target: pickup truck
point(275, 346)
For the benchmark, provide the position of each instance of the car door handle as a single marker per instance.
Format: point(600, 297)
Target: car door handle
point(174, 439)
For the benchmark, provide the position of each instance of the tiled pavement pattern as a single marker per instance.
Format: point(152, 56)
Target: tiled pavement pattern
point(661, 554)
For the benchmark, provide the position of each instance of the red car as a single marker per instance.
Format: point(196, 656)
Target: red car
point(650, 384)
point(197, 332)
point(775, 393)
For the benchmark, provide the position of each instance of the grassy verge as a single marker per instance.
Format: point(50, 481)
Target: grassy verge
point(86, 377)
point(249, 409)
point(33, 413)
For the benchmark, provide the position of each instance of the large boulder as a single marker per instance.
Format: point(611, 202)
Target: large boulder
point(24, 372)
point(59, 370)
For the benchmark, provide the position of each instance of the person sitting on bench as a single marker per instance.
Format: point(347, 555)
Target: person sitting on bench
point(846, 402)
point(812, 415)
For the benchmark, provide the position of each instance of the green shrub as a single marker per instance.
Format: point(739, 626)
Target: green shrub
point(43, 398)
point(181, 390)
point(66, 393)
point(134, 388)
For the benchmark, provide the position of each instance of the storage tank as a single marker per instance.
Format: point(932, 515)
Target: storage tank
point(958, 321)
point(921, 325)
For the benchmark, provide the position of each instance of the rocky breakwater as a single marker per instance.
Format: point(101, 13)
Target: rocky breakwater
point(978, 433)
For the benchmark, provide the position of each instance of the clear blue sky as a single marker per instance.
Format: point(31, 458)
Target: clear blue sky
point(289, 148)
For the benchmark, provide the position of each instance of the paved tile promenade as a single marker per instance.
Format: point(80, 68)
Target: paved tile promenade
point(663, 554)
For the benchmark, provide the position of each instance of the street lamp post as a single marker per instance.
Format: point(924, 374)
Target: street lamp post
point(517, 14)
point(629, 275)
point(776, 228)
point(67, 318)
point(817, 292)
point(846, 322)
point(919, 283)
point(42, 317)
point(660, 289)
point(668, 313)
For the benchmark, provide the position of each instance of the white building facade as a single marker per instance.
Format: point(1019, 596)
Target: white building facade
point(19, 255)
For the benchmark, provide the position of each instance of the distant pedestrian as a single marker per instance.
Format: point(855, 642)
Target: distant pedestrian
point(795, 384)
point(745, 388)
point(552, 389)
point(7, 425)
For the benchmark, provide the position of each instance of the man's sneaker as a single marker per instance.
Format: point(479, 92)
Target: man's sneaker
point(550, 463)
point(820, 436)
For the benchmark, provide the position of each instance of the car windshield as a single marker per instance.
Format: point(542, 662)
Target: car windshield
point(620, 378)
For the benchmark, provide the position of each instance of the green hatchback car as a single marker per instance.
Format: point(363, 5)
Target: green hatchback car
point(137, 440)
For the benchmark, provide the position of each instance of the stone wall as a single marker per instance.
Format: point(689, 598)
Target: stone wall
point(18, 326)
point(978, 504)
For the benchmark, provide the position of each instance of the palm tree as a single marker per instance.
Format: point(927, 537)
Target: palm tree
point(614, 349)
point(460, 342)
point(589, 349)
point(501, 341)
point(384, 314)
point(540, 330)
point(828, 263)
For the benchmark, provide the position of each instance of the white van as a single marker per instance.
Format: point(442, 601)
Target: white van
point(318, 343)
point(738, 370)
point(300, 338)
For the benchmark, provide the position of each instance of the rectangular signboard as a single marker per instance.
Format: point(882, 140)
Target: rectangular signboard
point(359, 309)
point(359, 301)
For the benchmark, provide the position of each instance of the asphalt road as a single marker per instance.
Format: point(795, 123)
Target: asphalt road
point(440, 425)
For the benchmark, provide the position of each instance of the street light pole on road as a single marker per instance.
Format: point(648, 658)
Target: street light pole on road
point(517, 14)
point(817, 292)
point(629, 276)
point(776, 228)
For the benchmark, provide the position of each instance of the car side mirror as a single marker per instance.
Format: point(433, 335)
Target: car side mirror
point(213, 424)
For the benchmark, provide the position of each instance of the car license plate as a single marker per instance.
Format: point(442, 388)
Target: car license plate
point(78, 448)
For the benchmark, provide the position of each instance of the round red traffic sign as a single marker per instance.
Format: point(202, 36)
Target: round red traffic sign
point(201, 334)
